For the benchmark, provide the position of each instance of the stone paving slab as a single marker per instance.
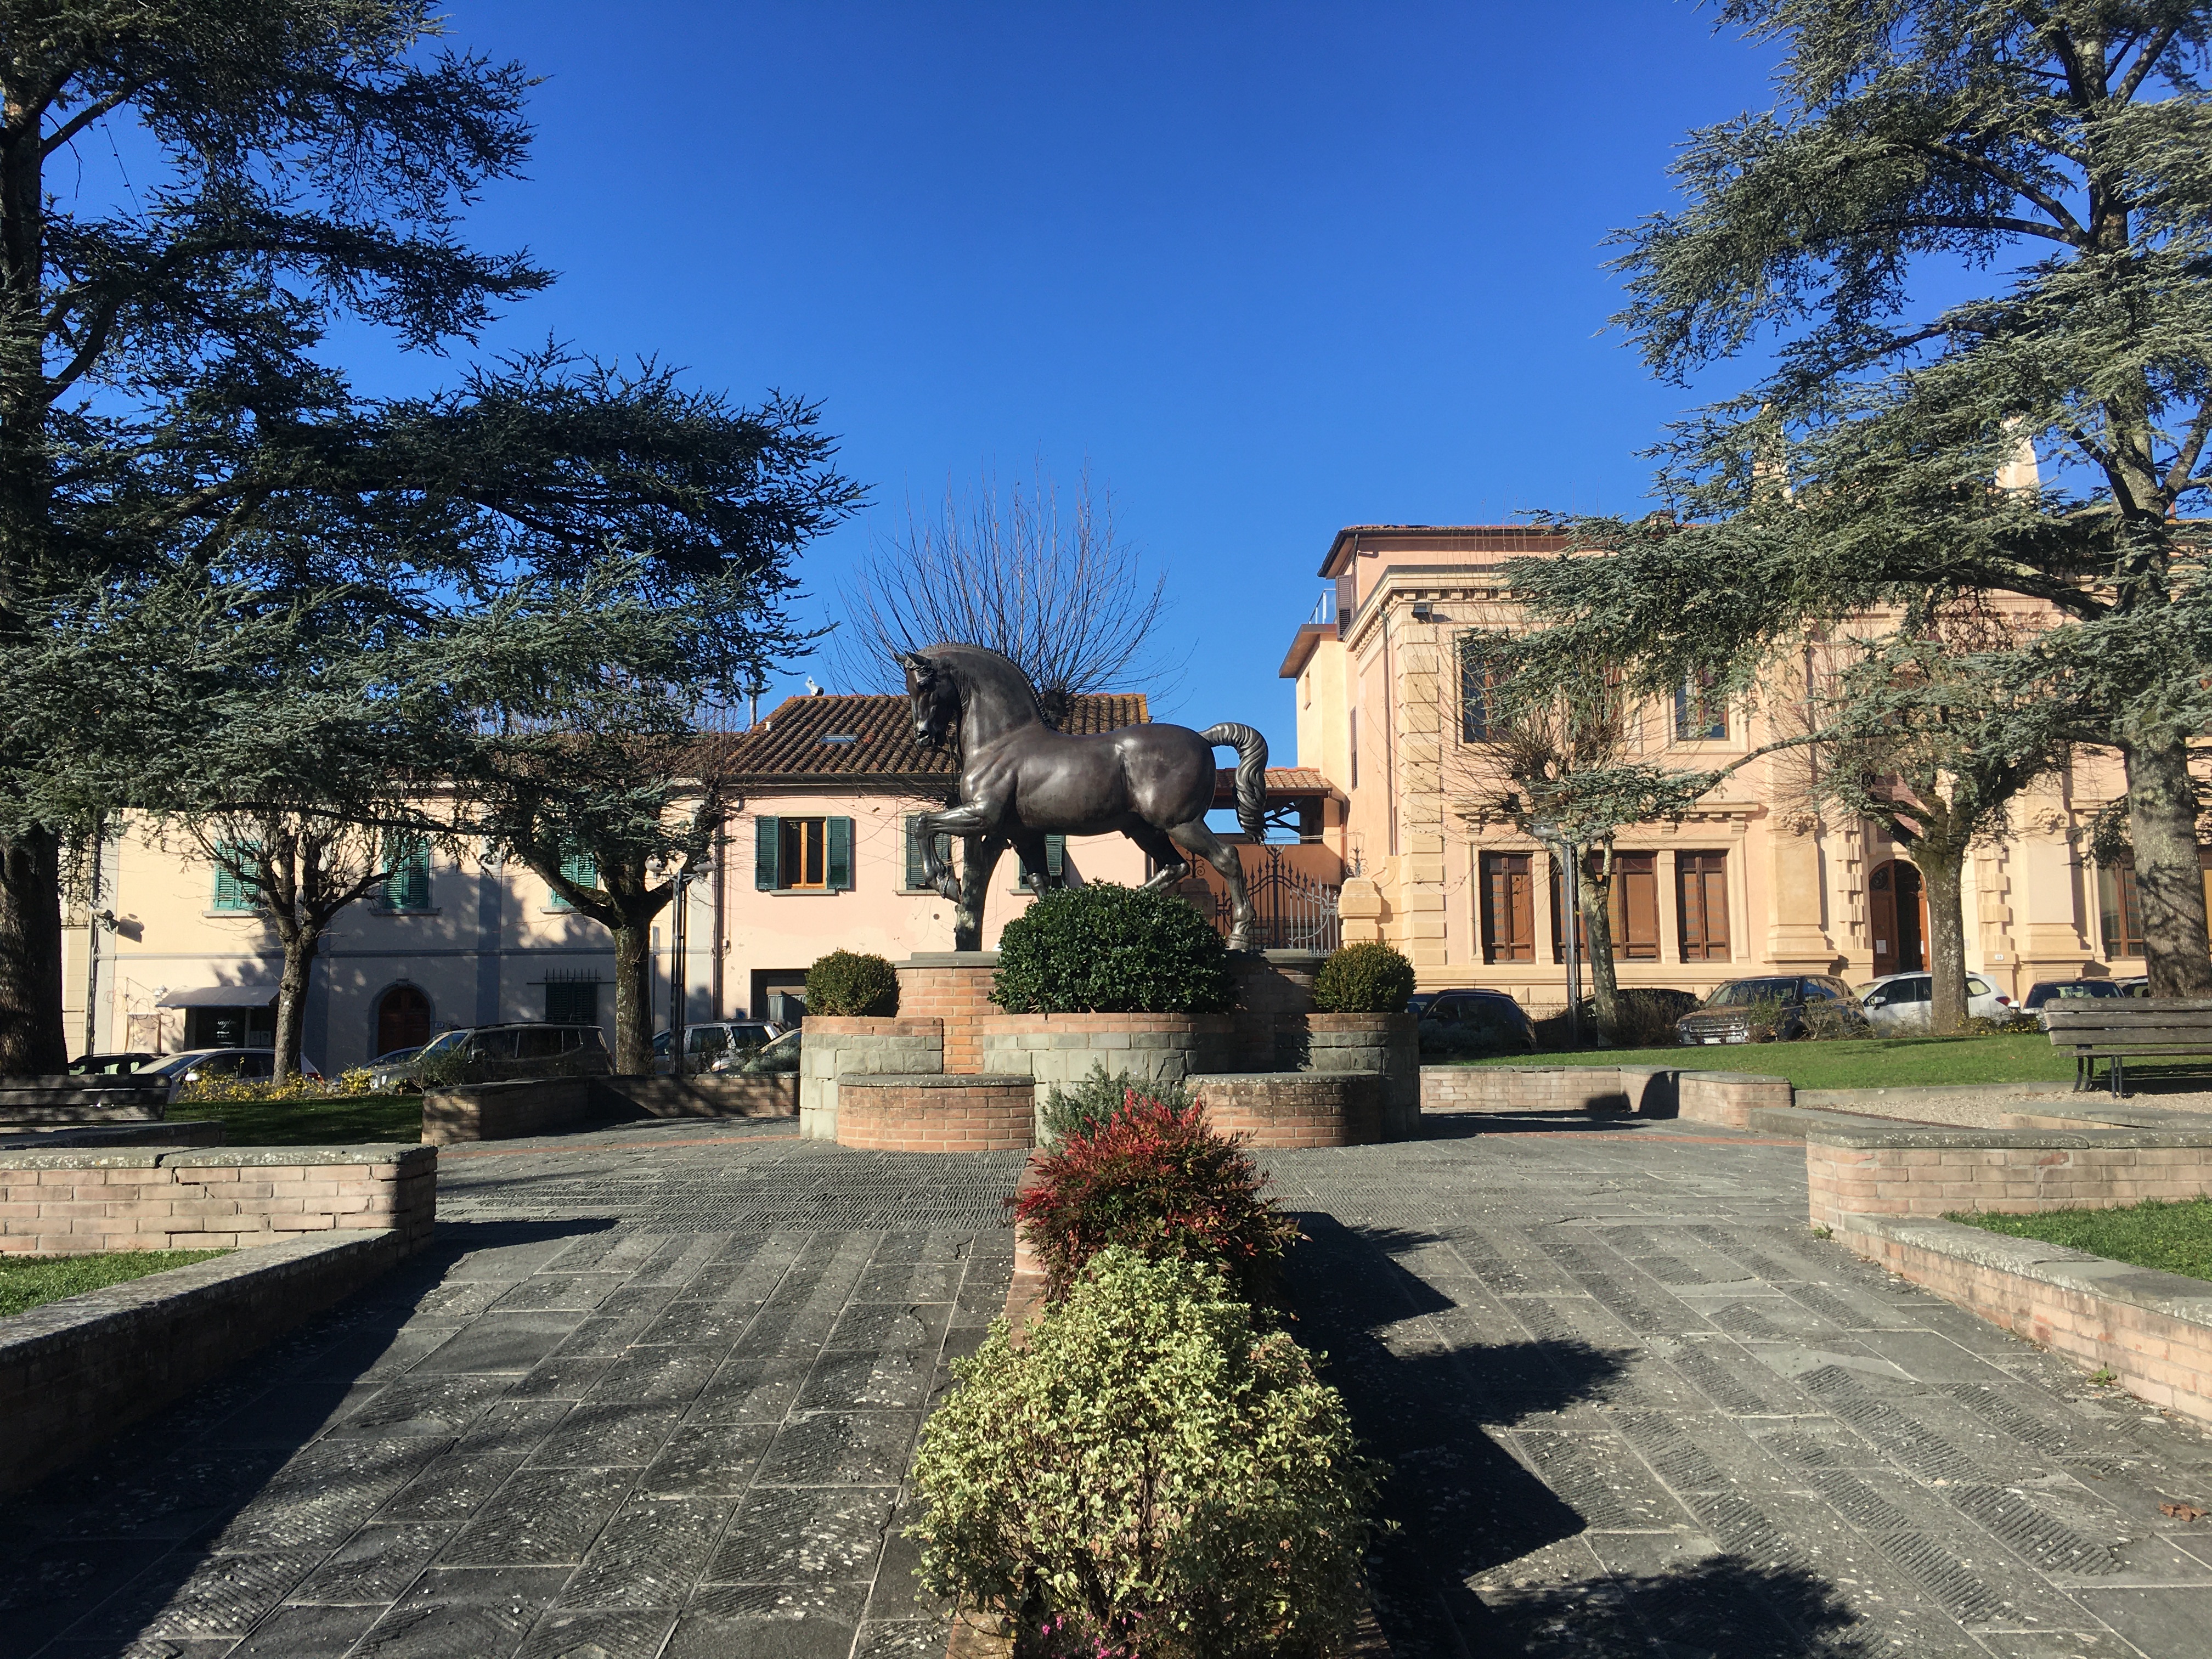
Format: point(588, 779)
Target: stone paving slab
point(1636, 1406)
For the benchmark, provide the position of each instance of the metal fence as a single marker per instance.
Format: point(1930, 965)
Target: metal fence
point(1296, 912)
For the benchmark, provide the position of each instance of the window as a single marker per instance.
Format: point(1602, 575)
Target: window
point(916, 877)
point(408, 887)
point(1631, 911)
point(2119, 909)
point(572, 1002)
point(230, 892)
point(582, 869)
point(1700, 713)
point(1701, 896)
point(1509, 908)
point(1055, 858)
point(802, 855)
point(1474, 685)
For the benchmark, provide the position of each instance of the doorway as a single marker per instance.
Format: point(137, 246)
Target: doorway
point(403, 1020)
point(1897, 914)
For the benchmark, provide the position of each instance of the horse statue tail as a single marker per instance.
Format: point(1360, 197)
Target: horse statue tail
point(1251, 773)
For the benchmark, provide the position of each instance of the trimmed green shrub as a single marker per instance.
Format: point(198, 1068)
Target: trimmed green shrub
point(1100, 949)
point(1158, 1180)
point(1364, 979)
point(848, 984)
point(1148, 1474)
point(1097, 1097)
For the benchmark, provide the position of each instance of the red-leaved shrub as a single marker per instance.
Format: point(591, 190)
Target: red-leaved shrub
point(1158, 1182)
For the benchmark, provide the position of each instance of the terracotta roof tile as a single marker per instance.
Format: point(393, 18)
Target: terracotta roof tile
point(829, 738)
point(1283, 781)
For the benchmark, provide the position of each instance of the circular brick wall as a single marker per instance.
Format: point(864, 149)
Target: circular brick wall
point(1295, 1108)
point(979, 1113)
point(1386, 1045)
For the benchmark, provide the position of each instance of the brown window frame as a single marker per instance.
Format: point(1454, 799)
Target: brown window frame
point(1509, 876)
point(1704, 873)
point(1633, 917)
point(805, 839)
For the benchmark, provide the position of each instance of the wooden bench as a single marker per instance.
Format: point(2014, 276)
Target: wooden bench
point(2117, 1027)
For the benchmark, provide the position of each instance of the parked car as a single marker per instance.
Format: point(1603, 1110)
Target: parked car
point(110, 1065)
point(401, 1068)
point(1901, 1002)
point(202, 1065)
point(499, 1054)
point(781, 1054)
point(704, 1043)
point(1647, 1012)
point(1470, 1011)
point(2044, 992)
point(1801, 1006)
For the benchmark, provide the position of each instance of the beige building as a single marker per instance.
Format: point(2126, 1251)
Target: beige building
point(818, 854)
point(1741, 885)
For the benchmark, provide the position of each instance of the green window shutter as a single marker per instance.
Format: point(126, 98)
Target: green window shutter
point(768, 853)
point(1055, 856)
point(581, 868)
point(231, 893)
point(839, 872)
point(916, 870)
point(408, 887)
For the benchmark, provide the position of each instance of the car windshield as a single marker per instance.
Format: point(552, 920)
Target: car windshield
point(442, 1043)
point(1743, 992)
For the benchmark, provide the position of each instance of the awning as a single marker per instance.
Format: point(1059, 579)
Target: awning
point(219, 996)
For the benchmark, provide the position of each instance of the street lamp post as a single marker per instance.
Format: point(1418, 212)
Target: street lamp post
point(1571, 885)
point(678, 987)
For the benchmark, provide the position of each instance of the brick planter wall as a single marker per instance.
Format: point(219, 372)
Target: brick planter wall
point(746, 1094)
point(1383, 1045)
point(1929, 1171)
point(1728, 1098)
point(908, 1045)
point(1646, 1090)
point(953, 986)
point(508, 1111)
point(1272, 986)
point(75, 1203)
point(936, 1114)
point(1061, 1048)
point(1296, 1108)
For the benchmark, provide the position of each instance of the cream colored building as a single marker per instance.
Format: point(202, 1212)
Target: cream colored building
point(817, 855)
point(1740, 886)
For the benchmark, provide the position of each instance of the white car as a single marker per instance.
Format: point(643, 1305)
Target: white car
point(258, 1065)
point(1901, 1002)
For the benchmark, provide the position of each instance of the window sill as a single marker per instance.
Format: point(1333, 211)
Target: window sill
point(256, 915)
point(803, 892)
point(430, 910)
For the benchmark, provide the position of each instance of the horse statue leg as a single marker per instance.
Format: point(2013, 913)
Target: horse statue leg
point(1171, 866)
point(1036, 871)
point(969, 820)
point(981, 857)
point(1195, 838)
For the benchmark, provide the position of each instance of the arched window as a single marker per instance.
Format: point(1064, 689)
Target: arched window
point(403, 1020)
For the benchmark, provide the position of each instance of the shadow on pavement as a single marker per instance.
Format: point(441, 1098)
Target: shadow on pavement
point(101, 1549)
point(1458, 1126)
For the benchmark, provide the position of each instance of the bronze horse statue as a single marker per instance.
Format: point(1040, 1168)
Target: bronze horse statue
point(1021, 780)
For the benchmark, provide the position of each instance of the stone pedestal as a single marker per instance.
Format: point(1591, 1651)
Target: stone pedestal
point(953, 986)
point(1295, 1108)
point(834, 1047)
point(1387, 1046)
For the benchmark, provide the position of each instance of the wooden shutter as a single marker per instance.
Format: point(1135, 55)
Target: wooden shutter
point(2119, 909)
point(1055, 856)
point(1635, 906)
point(1701, 891)
point(408, 887)
point(768, 853)
point(837, 875)
point(1509, 908)
point(917, 874)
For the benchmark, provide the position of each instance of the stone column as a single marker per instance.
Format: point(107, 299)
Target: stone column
point(2047, 895)
point(1794, 939)
point(1359, 911)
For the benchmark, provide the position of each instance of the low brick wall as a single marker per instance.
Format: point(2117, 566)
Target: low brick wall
point(904, 1046)
point(508, 1111)
point(2152, 1330)
point(954, 987)
point(77, 1371)
point(74, 1203)
point(178, 1132)
point(754, 1094)
point(1296, 1108)
point(1728, 1098)
point(1914, 1171)
point(1645, 1091)
point(937, 1114)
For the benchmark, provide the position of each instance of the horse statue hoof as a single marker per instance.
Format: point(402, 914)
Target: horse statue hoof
point(948, 886)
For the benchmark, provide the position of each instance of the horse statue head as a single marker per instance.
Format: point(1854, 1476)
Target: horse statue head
point(933, 694)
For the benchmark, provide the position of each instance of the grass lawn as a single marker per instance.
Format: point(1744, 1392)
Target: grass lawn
point(26, 1282)
point(331, 1121)
point(1856, 1063)
point(2175, 1236)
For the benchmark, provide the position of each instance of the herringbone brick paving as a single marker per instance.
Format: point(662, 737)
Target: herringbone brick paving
point(654, 1393)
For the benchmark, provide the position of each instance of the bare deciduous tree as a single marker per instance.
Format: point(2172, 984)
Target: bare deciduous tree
point(1063, 594)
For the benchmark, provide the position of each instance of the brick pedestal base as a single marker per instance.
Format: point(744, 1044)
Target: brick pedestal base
point(979, 1113)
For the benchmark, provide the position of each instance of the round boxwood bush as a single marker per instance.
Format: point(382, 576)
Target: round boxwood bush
point(849, 984)
point(1100, 949)
point(1364, 979)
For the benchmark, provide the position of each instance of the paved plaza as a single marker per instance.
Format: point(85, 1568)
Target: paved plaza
point(654, 1392)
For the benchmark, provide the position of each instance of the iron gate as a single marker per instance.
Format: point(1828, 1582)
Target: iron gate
point(1296, 912)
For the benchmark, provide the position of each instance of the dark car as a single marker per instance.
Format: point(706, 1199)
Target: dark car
point(109, 1065)
point(1472, 1016)
point(2044, 992)
point(497, 1053)
point(1787, 1005)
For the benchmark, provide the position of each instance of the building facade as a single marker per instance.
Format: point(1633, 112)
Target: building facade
point(817, 855)
point(1390, 714)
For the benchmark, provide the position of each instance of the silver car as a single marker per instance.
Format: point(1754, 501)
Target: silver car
point(199, 1065)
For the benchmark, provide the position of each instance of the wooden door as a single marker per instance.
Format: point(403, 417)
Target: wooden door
point(403, 1020)
point(1897, 919)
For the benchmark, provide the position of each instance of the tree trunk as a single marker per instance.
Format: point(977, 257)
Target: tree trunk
point(1942, 877)
point(302, 943)
point(978, 858)
point(32, 1041)
point(634, 996)
point(1597, 933)
point(2169, 872)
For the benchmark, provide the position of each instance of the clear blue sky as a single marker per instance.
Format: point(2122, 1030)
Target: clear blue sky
point(1270, 268)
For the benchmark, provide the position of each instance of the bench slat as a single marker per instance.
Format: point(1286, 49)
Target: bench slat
point(2129, 1050)
point(2139, 1035)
